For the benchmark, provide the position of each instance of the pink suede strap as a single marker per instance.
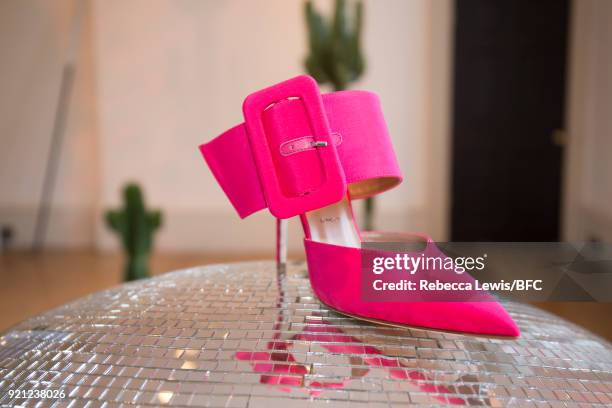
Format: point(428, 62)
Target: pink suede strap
point(357, 131)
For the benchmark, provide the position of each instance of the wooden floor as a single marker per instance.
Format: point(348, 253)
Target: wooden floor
point(33, 283)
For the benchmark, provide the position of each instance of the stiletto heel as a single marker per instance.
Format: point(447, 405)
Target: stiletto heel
point(300, 153)
point(281, 243)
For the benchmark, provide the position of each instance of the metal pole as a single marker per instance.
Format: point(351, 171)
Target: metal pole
point(53, 159)
point(281, 243)
point(59, 128)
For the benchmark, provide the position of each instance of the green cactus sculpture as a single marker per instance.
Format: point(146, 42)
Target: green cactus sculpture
point(335, 47)
point(335, 57)
point(135, 226)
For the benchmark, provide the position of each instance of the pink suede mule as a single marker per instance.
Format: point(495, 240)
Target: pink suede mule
point(300, 153)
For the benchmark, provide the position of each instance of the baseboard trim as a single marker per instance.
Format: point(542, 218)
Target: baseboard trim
point(69, 226)
point(205, 231)
point(224, 231)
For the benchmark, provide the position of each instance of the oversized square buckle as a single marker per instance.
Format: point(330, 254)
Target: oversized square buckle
point(333, 189)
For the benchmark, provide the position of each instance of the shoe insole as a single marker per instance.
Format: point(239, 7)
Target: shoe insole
point(334, 225)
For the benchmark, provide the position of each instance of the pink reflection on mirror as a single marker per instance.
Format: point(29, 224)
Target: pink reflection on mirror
point(280, 368)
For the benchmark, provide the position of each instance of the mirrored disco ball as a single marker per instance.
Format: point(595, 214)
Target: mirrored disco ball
point(242, 335)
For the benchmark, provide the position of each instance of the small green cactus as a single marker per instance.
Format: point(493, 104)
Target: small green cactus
point(135, 226)
point(335, 47)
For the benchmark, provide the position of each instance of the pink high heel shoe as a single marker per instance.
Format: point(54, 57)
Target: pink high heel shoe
point(300, 153)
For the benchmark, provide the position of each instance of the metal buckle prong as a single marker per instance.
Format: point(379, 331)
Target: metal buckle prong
point(319, 143)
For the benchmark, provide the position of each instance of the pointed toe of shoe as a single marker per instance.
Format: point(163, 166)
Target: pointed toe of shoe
point(479, 318)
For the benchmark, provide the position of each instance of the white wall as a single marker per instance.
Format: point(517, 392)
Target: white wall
point(171, 75)
point(156, 78)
